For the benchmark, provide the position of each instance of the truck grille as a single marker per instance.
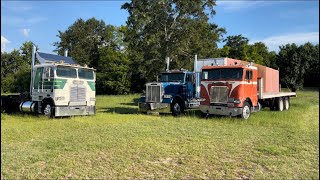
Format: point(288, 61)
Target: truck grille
point(218, 94)
point(77, 94)
point(154, 93)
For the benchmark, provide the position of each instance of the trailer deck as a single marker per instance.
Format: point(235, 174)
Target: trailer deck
point(279, 94)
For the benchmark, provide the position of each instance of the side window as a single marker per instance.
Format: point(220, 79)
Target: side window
point(249, 74)
point(47, 78)
point(48, 73)
point(189, 78)
point(38, 78)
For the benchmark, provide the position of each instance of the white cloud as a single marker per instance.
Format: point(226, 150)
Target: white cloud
point(4, 41)
point(16, 6)
point(21, 21)
point(241, 5)
point(274, 42)
point(25, 32)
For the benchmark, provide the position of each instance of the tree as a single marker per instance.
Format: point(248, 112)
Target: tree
point(16, 69)
point(112, 72)
point(100, 46)
point(294, 63)
point(310, 53)
point(167, 28)
point(238, 47)
point(83, 40)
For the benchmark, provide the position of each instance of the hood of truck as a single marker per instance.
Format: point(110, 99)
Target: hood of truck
point(172, 87)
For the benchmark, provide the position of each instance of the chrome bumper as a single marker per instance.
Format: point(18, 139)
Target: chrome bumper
point(156, 107)
point(74, 110)
point(220, 110)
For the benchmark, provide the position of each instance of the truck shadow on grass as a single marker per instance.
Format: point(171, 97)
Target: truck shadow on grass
point(133, 103)
point(120, 110)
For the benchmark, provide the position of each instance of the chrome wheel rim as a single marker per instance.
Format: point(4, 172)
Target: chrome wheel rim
point(246, 112)
point(47, 110)
point(176, 107)
point(287, 104)
point(280, 105)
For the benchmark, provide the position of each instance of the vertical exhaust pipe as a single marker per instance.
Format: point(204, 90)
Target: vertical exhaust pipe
point(197, 74)
point(66, 52)
point(168, 63)
point(32, 66)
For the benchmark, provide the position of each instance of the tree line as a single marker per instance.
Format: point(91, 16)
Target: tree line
point(127, 57)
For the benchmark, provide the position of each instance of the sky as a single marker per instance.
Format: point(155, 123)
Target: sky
point(273, 22)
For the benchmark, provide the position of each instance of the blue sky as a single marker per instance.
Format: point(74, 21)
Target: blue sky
point(272, 22)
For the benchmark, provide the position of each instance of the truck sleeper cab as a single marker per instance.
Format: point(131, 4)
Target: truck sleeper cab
point(236, 90)
point(62, 90)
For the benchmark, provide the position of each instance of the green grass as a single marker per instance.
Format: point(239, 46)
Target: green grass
point(120, 143)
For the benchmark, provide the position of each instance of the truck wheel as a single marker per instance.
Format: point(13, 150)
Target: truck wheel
point(176, 108)
point(286, 103)
point(246, 112)
point(204, 115)
point(48, 110)
point(272, 105)
point(280, 103)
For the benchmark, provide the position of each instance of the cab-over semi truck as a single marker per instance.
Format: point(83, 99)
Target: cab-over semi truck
point(59, 87)
point(239, 88)
point(178, 89)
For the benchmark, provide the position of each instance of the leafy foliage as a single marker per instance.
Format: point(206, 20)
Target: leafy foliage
point(100, 46)
point(127, 57)
point(238, 47)
point(112, 73)
point(15, 69)
point(170, 28)
point(294, 62)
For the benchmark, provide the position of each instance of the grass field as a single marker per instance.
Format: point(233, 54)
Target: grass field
point(120, 143)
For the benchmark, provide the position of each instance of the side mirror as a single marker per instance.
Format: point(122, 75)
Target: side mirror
point(205, 75)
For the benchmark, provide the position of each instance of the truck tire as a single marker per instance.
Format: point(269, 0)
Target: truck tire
point(177, 108)
point(204, 115)
point(246, 111)
point(272, 105)
point(279, 104)
point(48, 109)
point(286, 103)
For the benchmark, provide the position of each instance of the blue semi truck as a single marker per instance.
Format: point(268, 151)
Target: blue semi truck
point(176, 91)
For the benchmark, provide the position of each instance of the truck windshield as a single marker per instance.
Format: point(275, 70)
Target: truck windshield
point(172, 77)
point(85, 74)
point(68, 72)
point(223, 73)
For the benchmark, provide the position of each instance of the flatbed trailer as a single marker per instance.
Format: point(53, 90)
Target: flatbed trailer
point(241, 88)
point(279, 94)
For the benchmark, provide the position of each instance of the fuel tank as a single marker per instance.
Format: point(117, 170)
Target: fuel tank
point(28, 106)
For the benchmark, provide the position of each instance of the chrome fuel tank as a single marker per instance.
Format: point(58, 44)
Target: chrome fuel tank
point(28, 106)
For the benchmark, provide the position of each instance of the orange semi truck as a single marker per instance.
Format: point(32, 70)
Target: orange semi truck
point(238, 88)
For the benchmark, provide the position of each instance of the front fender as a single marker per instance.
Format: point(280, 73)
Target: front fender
point(167, 100)
point(142, 99)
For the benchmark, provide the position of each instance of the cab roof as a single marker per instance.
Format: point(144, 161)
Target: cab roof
point(61, 64)
point(178, 71)
point(225, 67)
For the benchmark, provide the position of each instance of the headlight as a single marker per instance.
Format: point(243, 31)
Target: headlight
point(60, 98)
point(237, 101)
point(167, 96)
point(232, 100)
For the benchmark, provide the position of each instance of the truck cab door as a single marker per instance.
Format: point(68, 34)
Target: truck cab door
point(47, 79)
point(190, 85)
point(38, 82)
point(250, 89)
